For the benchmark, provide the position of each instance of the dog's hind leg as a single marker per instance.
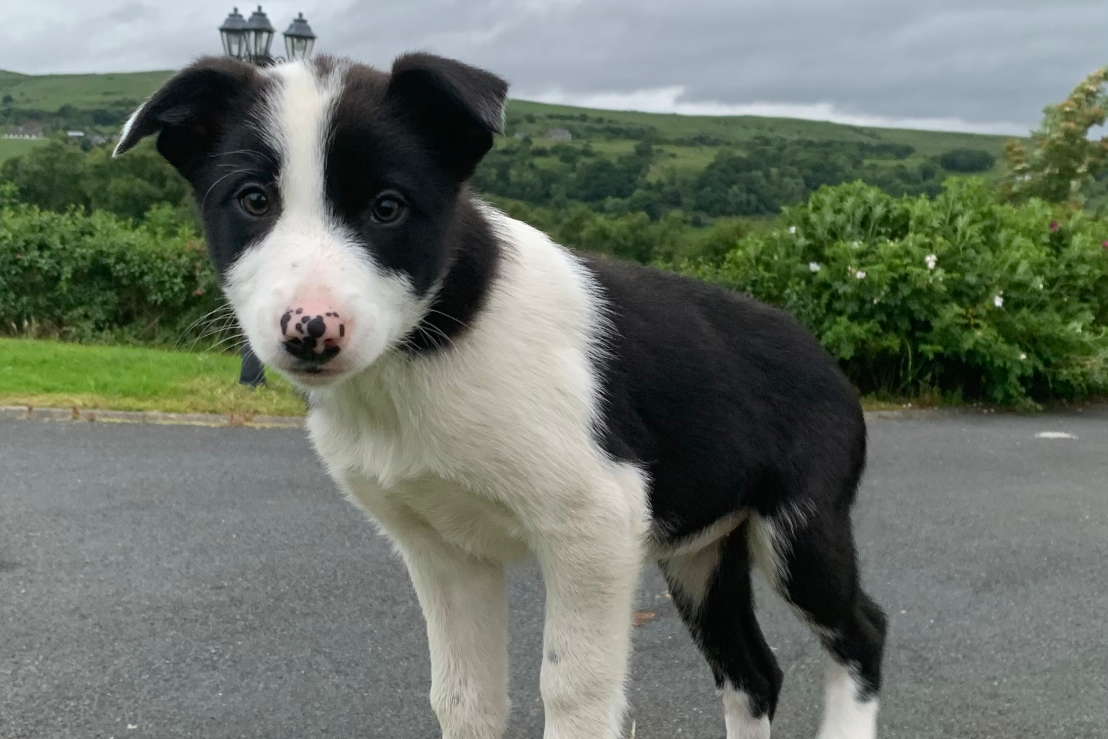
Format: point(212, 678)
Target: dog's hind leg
point(712, 590)
point(807, 554)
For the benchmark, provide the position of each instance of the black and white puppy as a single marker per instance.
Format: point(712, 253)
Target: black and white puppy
point(486, 394)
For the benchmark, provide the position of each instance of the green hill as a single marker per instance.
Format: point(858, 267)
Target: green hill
point(60, 99)
point(613, 161)
point(49, 93)
point(696, 140)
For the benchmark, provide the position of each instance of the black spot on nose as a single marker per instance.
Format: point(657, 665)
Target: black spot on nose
point(317, 326)
point(310, 352)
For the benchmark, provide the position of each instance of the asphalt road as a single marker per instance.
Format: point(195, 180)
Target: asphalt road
point(170, 581)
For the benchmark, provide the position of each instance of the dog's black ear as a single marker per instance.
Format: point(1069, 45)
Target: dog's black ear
point(455, 107)
point(190, 112)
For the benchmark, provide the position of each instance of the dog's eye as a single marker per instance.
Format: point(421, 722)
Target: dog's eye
point(254, 202)
point(387, 208)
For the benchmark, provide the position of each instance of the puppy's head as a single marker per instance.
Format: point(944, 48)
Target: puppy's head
point(329, 194)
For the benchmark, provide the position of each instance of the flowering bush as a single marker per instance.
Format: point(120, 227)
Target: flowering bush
point(1061, 160)
point(98, 276)
point(961, 294)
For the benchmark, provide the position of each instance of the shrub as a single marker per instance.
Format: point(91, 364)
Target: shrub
point(1062, 159)
point(59, 176)
point(50, 176)
point(960, 294)
point(96, 277)
point(967, 160)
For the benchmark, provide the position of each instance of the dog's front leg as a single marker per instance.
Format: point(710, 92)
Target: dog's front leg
point(590, 575)
point(465, 606)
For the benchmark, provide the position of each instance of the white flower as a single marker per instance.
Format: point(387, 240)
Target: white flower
point(998, 301)
point(857, 244)
point(792, 229)
point(1022, 356)
point(814, 266)
point(860, 275)
point(931, 260)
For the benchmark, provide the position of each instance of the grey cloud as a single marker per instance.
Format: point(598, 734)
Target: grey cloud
point(981, 61)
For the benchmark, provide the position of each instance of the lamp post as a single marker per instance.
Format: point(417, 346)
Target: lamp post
point(250, 41)
point(299, 39)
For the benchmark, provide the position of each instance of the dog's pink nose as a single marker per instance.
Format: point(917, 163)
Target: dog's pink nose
point(313, 331)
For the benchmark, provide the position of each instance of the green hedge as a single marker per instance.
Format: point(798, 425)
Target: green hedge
point(98, 277)
point(960, 294)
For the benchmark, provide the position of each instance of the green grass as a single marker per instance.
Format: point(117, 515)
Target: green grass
point(16, 147)
point(54, 374)
point(49, 92)
point(735, 131)
point(85, 92)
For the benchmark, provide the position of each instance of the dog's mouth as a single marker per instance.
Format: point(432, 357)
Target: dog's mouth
point(315, 375)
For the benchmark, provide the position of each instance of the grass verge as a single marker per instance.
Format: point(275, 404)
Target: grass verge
point(52, 374)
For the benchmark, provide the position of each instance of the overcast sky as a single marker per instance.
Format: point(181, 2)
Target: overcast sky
point(977, 65)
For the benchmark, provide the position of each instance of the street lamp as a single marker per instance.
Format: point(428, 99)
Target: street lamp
point(259, 35)
point(233, 34)
point(299, 39)
point(249, 41)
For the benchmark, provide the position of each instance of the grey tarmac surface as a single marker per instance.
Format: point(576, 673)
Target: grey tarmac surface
point(196, 582)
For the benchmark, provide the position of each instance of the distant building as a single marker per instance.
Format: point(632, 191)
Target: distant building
point(25, 131)
point(98, 140)
point(559, 134)
point(75, 134)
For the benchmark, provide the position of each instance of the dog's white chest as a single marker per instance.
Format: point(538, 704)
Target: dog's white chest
point(474, 523)
point(403, 479)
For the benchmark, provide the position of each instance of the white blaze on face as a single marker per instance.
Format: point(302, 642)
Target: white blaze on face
point(307, 254)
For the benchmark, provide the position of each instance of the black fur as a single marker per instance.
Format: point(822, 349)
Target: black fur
point(198, 117)
point(419, 131)
point(730, 405)
point(727, 403)
point(726, 630)
point(375, 147)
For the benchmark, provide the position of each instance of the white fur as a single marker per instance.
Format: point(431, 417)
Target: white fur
point(307, 252)
point(126, 132)
point(690, 573)
point(769, 545)
point(770, 540)
point(845, 716)
point(698, 541)
point(740, 720)
point(484, 453)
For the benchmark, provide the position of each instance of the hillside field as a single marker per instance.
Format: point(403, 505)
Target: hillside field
point(104, 99)
point(15, 147)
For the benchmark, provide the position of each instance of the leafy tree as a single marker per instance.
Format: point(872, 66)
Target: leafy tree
point(60, 176)
point(131, 185)
point(1061, 161)
point(50, 176)
point(967, 160)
